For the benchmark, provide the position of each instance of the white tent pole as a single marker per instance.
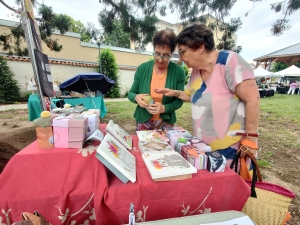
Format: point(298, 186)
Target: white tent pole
point(90, 93)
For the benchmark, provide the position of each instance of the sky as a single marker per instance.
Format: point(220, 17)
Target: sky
point(254, 36)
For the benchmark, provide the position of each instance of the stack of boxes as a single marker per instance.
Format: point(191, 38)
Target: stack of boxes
point(66, 131)
point(69, 132)
point(194, 150)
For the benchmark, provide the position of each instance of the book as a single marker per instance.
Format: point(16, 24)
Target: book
point(146, 135)
point(121, 135)
point(168, 166)
point(117, 159)
point(154, 146)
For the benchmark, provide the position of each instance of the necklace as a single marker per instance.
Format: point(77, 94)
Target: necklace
point(159, 74)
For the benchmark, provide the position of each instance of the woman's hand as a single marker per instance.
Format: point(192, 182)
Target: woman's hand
point(139, 98)
point(156, 108)
point(167, 92)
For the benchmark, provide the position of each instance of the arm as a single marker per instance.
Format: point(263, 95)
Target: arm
point(248, 93)
point(133, 94)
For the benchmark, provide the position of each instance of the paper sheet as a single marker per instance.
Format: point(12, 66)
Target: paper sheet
point(245, 220)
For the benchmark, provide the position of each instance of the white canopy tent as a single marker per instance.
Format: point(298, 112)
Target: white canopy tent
point(260, 72)
point(292, 71)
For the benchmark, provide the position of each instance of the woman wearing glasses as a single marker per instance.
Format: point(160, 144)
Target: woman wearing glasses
point(222, 91)
point(156, 74)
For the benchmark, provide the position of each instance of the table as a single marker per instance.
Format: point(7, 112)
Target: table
point(71, 184)
point(34, 108)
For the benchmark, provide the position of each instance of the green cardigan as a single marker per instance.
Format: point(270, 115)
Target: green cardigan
point(141, 85)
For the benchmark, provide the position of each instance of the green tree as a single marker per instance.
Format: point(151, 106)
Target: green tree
point(110, 69)
point(78, 27)
point(186, 72)
point(117, 37)
point(138, 18)
point(9, 88)
point(278, 66)
point(47, 23)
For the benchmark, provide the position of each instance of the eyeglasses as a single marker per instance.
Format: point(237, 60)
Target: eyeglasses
point(182, 51)
point(164, 57)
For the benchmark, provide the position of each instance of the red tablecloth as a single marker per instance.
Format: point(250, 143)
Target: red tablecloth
point(71, 186)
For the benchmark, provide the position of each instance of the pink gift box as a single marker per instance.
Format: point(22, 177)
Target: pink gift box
point(60, 122)
point(76, 144)
point(60, 137)
point(77, 129)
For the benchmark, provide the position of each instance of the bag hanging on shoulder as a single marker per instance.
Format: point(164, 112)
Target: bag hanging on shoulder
point(268, 203)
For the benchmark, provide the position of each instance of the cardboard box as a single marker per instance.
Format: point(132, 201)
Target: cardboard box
point(76, 144)
point(77, 129)
point(44, 137)
point(92, 123)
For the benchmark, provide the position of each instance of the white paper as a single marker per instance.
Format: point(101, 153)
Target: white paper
point(96, 135)
point(245, 220)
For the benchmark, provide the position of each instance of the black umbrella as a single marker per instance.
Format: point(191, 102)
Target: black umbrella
point(90, 81)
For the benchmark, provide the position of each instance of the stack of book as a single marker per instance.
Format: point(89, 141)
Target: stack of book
point(163, 162)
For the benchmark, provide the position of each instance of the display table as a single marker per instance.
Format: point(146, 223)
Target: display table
point(34, 107)
point(65, 185)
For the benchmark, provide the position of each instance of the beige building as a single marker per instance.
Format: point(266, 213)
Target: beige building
point(79, 57)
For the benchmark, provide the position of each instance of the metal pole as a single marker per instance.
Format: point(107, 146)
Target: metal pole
point(30, 45)
point(100, 68)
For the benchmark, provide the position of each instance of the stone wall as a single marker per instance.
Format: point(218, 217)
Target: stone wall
point(23, 72)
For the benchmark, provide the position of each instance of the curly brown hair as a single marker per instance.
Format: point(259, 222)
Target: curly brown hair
point(195, 35)
point(165, 38)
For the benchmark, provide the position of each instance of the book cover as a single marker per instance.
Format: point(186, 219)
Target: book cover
point(154, 146)
point(118, 157)
point(146, 135)
point(162, 165)
point(121, 135)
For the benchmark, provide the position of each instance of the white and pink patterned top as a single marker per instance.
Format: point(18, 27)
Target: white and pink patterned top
point(216, 109)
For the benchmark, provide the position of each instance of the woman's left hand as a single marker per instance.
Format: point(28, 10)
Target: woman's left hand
point(156, 108)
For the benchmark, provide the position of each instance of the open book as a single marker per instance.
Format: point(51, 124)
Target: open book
point(117, 159)
point(121, 135)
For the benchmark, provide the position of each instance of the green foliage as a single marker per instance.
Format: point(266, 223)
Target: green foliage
point(186, 72)
point(278, 66)
point(9, 88)
point(117, 37)
point(140, 27)
point(87, 33)
point(47, 23)
point(110, 69)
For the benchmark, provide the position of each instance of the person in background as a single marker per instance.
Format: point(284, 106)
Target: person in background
point(223, 94)
point(293, 87)
point(155, 74)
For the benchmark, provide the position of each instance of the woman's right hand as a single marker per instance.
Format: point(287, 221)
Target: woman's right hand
point(166, 91)
point(139, 98)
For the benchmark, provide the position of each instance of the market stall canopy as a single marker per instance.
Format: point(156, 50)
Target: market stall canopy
point(289, 55)
point(91, 81)
point(292, 71)
point(261, 72)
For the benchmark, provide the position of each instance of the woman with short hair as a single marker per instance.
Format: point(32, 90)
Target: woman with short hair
point(156, 74)
point(222, 91)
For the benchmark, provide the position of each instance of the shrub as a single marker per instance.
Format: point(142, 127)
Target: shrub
point(9, 88)
point(186, 72)
point(110, 70)
point(25, 96)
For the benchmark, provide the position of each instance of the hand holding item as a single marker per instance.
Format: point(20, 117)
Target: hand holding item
point(141, 100)
point(156, 108)
point(167, 92)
